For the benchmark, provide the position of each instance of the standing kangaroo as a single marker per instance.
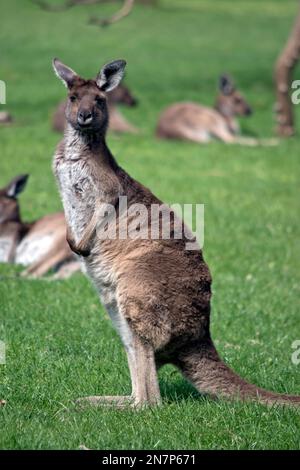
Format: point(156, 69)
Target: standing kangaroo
point(117, 122)
point(192, 121)
point(40, 245)
point(156, 292)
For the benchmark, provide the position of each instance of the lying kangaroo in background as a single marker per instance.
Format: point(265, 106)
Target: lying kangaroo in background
point(117, 122)
point(156, 292)
point(192, 121)
point(12, 230)
point(40, 245)
point(5, 118)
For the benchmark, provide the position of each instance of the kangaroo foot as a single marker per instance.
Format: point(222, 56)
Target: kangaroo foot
point(114, 401)
point(120, 402)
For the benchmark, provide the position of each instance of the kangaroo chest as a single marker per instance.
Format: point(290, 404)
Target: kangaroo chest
point(78, 193)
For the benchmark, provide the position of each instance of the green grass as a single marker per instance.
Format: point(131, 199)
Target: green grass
point(60, 343)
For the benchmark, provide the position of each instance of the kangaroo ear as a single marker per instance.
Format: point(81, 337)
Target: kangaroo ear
point(111, 75)
point(66, 75)
point(226, 85)
point(16, 186)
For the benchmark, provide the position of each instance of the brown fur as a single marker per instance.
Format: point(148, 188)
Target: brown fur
point(192, 121)
point(159, 291)
point(117, 122)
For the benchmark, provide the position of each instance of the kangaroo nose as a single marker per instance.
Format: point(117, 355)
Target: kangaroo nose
point(133, 102)
point(84, 117)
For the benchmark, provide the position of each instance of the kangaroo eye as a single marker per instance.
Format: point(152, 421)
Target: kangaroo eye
point(73, 98)
point(99, 100)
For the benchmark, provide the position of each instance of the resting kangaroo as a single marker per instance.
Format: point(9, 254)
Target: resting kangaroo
point(156, 292)
point(192, 121)
point(117, 122)
point(40, 245)
point(12, 230)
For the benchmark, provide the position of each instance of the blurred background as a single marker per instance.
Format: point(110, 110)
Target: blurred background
point(175, 50)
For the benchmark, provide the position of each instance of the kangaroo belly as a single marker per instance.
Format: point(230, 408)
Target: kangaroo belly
point(104, 279)
point(190, 121)
point(6, 248)
point(33, 248)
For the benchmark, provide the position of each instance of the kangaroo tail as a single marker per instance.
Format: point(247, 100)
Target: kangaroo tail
point(202, 366)
point(253, 142)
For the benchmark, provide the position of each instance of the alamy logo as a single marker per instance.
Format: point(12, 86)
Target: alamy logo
point(296, 94)
point(2, 92)
point(296, 353)
point(155, 222)
point(2, 352)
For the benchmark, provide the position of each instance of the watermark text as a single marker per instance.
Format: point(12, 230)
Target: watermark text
point(2, 92)
point(2, 353)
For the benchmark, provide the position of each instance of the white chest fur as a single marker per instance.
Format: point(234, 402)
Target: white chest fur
point(77, 192)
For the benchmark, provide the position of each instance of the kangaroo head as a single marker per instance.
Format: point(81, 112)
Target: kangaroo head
point(122, 95)
point(86, 109)
point(230, 101)
point(9, 204)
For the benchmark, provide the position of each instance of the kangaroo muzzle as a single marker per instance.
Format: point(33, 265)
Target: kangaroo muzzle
point(84, 118)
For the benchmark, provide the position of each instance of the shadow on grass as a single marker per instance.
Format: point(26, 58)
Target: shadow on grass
point(179, 391)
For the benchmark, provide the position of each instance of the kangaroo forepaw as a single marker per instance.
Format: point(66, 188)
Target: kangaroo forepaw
point(77, 250)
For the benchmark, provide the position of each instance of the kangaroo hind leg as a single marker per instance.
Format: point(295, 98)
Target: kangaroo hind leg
point(145, 388)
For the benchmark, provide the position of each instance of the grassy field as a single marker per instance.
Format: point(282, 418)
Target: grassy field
point(60, 343)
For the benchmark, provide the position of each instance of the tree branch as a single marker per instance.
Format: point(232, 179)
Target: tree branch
point(284, 67)
point(44, 5)
point(122, 13)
